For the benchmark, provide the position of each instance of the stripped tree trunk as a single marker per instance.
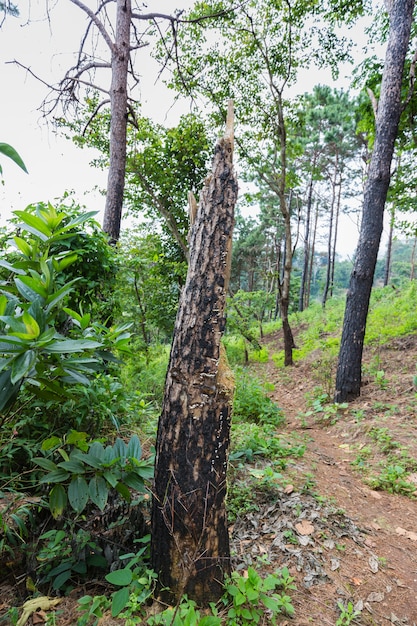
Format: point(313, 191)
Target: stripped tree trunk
point(190, 542)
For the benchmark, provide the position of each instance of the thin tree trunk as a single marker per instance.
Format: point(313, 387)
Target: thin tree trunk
point(387, 269)
point(312, 251)
point(306, 261)
point(330, 237)
point(413, 259)
point(348, 380)
point(118, 124)
point(190, 542)
point(336, 229)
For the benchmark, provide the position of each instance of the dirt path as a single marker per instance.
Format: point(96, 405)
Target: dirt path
point(374, 564)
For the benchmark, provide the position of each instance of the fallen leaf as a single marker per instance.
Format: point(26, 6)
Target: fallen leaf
point(334, 564)
point(406, 533)
point(375, 596)
point(39, 617)
point(373, 563)
point(357, 581)
point(289, 489)
point(305, 527)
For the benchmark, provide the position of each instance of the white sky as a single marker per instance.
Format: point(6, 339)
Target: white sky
point(55, 165)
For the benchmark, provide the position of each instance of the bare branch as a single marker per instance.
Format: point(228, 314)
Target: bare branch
point(95, 112)
point(93, 17)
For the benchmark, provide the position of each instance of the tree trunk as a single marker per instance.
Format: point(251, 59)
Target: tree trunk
point(190, 542)
point(387, 268)
point(330, 237)
point(336, 230)
point(312, 252)
point(118, 125)
point(302, 295)
point(348, 380)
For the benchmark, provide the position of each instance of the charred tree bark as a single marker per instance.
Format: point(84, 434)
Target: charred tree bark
point(190, 542)
point(118, 124)
point(348, 380)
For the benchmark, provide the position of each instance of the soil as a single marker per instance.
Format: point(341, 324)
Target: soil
point(373, 563)
point(343, 540)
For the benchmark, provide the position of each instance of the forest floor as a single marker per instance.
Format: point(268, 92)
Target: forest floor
point(345, 540)
point(353, 541)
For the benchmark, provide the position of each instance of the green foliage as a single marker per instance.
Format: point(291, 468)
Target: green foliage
point(64, 556)
point(34, 354)
point(250, 441)
point(251, 404)
point(89, 471)
point(8, 150)
point(252, 596)
point(184, 614)
point(393, 478)
point(348, 613)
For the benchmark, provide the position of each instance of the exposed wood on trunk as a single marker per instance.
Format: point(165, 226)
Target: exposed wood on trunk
point(190, 542)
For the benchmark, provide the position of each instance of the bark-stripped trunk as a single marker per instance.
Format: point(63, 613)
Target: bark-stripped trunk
point(336, 230)
point(118, 125)
point(327, 285)
point(312, 252)
point(348, 380)
point(190, 542)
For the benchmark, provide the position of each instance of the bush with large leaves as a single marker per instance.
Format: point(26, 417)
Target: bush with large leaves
point(35, 354)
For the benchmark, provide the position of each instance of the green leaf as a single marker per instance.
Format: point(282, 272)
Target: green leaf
point(210, 620)
point(73, 466)
point(34, 225)
point(270, 603)
point(134, 448)
point(44, 463)
point(120, 600)
point(239, 599)
point(75, 437)
point(98, 491)
point(22, 365)
point(78, 493)
point(134, 481)
point(31, 325)
point(111, 478)
point(124, 491)
point(23, 246)
point(57, 501)
point(10, 152)
point(72, 345)
point(120, 577)
point(61, 580)
point(25, 290)
point(51, 442)
point(57, 476)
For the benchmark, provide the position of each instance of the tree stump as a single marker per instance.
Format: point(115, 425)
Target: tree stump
point(190, 542)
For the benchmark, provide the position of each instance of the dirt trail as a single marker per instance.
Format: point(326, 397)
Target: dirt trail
point(375, 565)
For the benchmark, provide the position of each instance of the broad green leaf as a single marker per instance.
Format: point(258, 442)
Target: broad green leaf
point(133, 481)
point(119, 601)
point(210, 620)
point(74, 437)
point(3, 304)
point(11, 268)
point(58, 476)
point(31, 325)
point(51, 442)
point(73, 466)
point(270, 603)
point(124, 491)
point(134, 448)
point(57, 501)
point(10, 152)
point(61, 580)
point(72, 345)
point(34, 284)
point(78, 493)
point(34, 224)
point(23, 246)
point(119, 449)
point(98, 491)
point(22, 365)
point(62, 263)
point(120, 577)
point(8, 391)
point(44, 463)
point(111, 478)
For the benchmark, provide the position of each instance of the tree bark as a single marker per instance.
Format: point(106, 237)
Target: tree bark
point(118, 125)
point(190, 542)
point(348, 380)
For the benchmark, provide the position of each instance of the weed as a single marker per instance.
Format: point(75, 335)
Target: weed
point(348, 613)
point(383, 438)
point(251, 404)
point(393, 479)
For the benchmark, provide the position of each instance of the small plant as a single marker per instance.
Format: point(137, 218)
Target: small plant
point(251, 404)
point(393, 480)
point(348, 614)
point(88, 471)
point(383, 438)
point(252, 596)
point(93, 609)
point(184, 614)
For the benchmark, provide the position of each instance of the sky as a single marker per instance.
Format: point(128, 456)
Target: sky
point(54, 163)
